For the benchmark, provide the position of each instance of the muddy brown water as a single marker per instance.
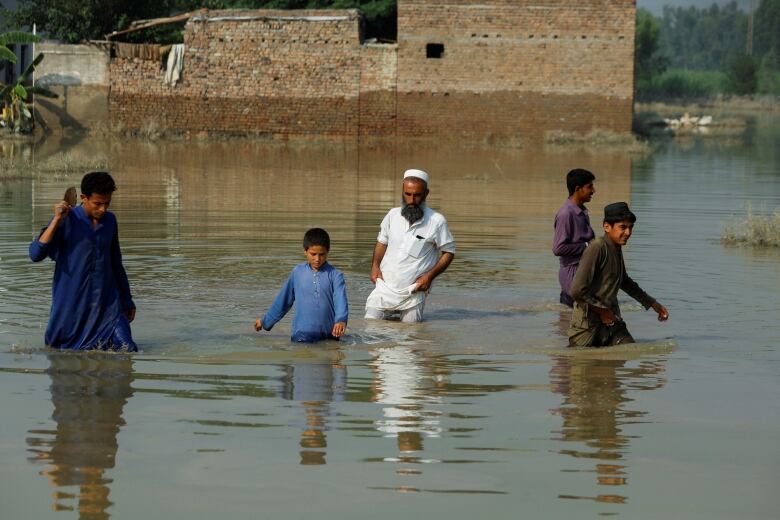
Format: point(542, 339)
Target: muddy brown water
point(480, 410)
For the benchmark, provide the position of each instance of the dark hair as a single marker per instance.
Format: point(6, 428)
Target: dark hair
point(97, 182)
point(316, 237)
point(578, 177)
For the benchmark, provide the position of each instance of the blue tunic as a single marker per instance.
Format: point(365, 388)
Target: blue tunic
point(90, 290)
point(321, 298)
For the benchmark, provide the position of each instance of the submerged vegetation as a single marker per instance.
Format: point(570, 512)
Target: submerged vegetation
point(754, 230)
point(61, 164)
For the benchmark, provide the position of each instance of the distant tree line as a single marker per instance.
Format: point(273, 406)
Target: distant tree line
point(694, 52)
point(74, 21)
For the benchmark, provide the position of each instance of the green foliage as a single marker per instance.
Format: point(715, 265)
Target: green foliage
point(742, 74)
point(768, 75)
point(682, 84)
point(649, 61)
point(696, 38)
point(73, 21)
point(14, 95)
point(766, 36)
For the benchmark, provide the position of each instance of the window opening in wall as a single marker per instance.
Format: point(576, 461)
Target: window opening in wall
point(434, 50)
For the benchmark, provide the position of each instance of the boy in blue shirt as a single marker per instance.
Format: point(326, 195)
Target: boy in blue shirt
point(319, 290)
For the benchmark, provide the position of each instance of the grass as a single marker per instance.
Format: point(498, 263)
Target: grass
point(753, 230)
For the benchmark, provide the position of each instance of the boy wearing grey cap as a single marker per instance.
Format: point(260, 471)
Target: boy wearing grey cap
point(596, 320)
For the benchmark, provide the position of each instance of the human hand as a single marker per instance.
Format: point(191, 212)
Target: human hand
point(130, 315)
point(376, 273)
point(61, 209)
point(423, 283)
point(607, 316)
point(258, 325)
point(338, 329)
point(663, 314)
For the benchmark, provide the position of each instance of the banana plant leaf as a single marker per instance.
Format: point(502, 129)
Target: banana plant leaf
point(6, 54)
point(31, 67)
point(18, 37)
point(20, 91)
point(5, 91)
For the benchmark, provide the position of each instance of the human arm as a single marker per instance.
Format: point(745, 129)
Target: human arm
point(41, 247)
point(120, 275)
point(583, 288)
point(281, 305)
point(562, 240)
point(340, 304)
point(379, 253)
point(424, 281)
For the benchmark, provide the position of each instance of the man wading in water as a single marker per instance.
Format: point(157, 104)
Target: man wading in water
point(414, 246)
point(91, 304)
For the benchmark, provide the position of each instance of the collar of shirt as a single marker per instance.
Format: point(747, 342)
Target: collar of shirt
point(579, 210)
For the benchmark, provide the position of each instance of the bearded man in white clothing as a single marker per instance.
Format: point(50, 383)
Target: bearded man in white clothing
point(414, 246)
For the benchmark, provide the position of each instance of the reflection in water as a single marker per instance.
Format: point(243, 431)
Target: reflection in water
point(594, 411)
point(315, 385)
point(407, 384)
point(88, 393)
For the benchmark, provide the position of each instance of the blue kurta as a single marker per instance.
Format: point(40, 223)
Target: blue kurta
point(321, 298)
point(90, 290)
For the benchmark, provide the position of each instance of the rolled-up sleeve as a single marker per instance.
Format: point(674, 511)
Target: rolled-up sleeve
point(445, 242)
point(384, 231)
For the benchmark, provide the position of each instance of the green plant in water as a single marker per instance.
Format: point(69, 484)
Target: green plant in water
point(754, 230)
point(16, 116)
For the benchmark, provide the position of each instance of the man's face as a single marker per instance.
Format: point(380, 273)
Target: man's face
point(96, 205)
point(414, 192)
point(619, 232)
point(586, 192)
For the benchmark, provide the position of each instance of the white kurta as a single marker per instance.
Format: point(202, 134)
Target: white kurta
point(412, 250)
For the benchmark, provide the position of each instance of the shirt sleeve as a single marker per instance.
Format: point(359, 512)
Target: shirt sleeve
point(384, 230)
point(120, 275)
point(282, 304)
point(38, 250)
point(562, 243)
point(582, 285)
point(340, 303)
point(632, 288)
point(445, 242)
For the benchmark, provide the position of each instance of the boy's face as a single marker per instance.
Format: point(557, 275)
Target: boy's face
point(96, 205)
point(316, 256)
point(619, 232)
point(586, 192)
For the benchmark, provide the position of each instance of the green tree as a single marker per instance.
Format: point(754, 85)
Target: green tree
point(74, 21)
point(742, 74)
point(648, 60)
point(696, 38)
point(766, 36)
point(14, 96)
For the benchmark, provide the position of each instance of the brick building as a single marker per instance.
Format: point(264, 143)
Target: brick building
point(497, 69)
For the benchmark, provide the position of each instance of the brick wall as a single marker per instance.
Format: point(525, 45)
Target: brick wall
point(509, 69)
point(515, 68)
point(272, 72)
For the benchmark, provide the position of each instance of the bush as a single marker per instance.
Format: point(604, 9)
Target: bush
point(742, 74)
point(682, 84)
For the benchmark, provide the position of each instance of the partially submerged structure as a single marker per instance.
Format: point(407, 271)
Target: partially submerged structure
point(499, 69)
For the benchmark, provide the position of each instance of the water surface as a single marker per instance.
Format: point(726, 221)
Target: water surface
point(480, 410)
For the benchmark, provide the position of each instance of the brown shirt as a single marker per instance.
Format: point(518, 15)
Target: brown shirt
point(600, 275)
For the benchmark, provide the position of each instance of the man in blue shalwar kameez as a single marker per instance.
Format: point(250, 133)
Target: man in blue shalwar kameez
point(91, 302)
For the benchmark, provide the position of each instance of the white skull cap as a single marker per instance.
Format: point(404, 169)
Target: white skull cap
point(416, 173)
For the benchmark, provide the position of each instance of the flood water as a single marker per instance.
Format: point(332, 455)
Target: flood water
point(480, 411)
